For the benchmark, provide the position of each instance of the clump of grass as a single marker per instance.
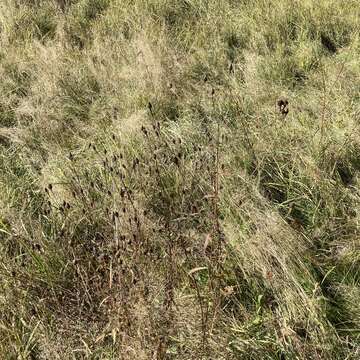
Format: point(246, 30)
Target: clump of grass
point(80, 17)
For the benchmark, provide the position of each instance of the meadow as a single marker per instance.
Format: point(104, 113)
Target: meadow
point(180, 179)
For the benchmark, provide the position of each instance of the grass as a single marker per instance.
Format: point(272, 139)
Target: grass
point(156, 202)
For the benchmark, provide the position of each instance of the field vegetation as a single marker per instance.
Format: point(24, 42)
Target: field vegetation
point(180, 179)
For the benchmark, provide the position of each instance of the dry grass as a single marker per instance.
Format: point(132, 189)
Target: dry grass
point(156, 201)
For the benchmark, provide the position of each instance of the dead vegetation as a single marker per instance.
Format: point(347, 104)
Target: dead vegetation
point(179, 179)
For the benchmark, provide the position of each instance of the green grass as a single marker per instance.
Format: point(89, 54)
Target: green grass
point(154, 201)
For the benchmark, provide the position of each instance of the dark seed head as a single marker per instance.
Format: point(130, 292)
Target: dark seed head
point(37, 247)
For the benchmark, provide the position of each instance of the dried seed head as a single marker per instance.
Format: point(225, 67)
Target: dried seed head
point(109, 192)
point(50, 187)
point(143, 129)
point(37, 247)
point(231, 68)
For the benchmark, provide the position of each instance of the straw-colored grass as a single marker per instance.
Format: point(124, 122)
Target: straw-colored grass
point(157, 201)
